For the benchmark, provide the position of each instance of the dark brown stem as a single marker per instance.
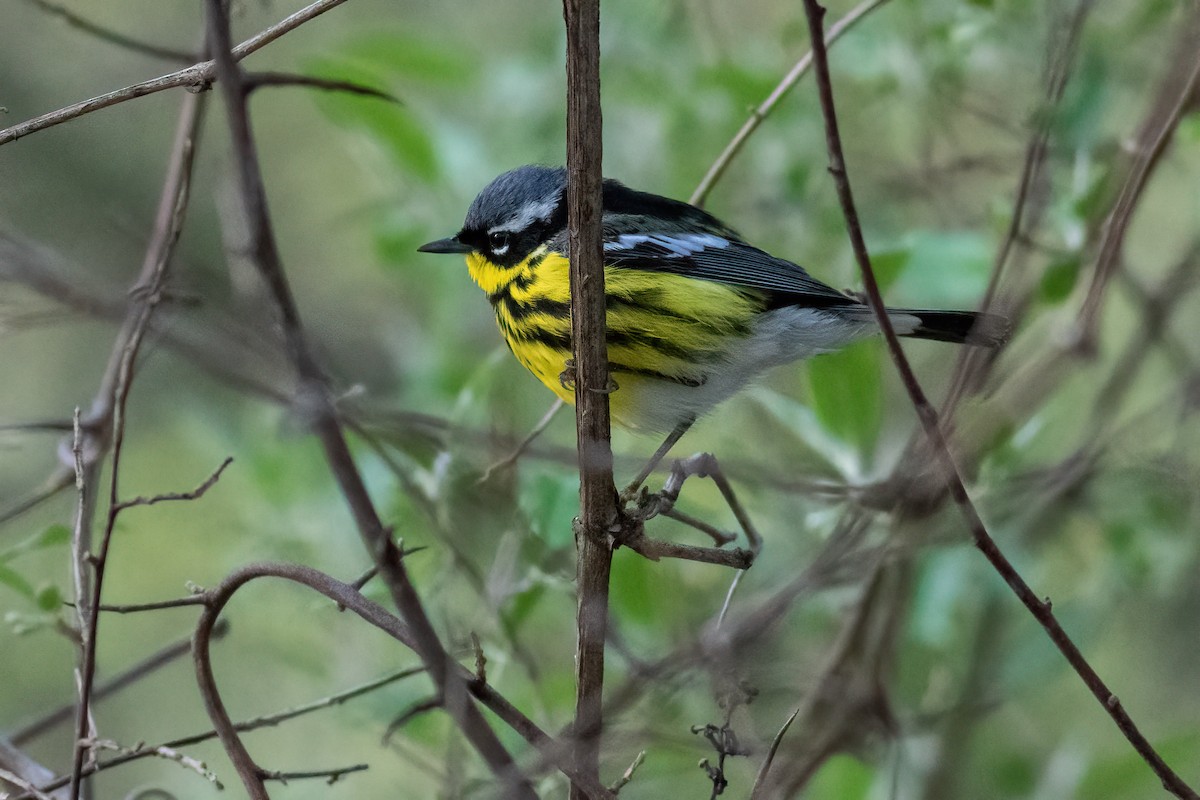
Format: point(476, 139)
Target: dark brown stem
point(109, 414)
point(599, 512)
point(1040, 608)
point(258, 80)
point(113, 37)
point(348, 597)
point(269, 720)
point(314, 396)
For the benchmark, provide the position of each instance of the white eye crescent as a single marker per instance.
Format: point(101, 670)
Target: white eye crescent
point(498, 241)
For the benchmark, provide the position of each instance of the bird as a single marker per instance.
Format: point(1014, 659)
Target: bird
point(694, 312)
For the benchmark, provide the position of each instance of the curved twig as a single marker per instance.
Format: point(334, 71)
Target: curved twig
point(113, 37)
point(350, 598)
point(313, 394)
point(1041, 609)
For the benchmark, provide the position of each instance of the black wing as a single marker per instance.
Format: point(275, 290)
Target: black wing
point(654, 233)
point(713, 256)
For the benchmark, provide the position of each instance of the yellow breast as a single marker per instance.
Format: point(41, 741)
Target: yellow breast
point(662, 328)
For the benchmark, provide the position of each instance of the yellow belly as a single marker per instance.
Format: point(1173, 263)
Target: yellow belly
point(667, 333)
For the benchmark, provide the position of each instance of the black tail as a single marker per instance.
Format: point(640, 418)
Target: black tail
point(959, 327)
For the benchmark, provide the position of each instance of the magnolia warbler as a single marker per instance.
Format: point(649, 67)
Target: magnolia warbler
point(694, 312)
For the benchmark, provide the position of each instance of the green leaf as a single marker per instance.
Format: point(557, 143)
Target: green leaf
point(1189, 128)
point(843, 777)
point(393, 128)
point(889, 264)
point(1058, 280)
point(412, 58)
point(847, 394)
point(636, 593)
point(946, 269)
point(49, 598)
point(796, 428)
point(745, 86)
point(521, 605)
point(53, 536)
point(551, 502)
point(16, 581)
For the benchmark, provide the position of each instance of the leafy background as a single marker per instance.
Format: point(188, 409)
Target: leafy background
point(937, 101)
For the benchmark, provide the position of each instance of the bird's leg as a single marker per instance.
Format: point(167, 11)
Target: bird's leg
point(630, 492)
point(705, 465)
point(648, 505)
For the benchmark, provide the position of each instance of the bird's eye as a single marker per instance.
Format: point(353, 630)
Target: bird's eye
point(498, 241)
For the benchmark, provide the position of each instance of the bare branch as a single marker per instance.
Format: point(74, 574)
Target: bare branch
point(195, 494)
point(352, 600)
point(331, 776)
point(599, 513)
point(172, 209)
point(158, 605)
point(115, 684)
point(314, 396)
point(1151, 144)
point(759, 114)
point(60, 479)
point(197, 77)
point(520, 449)
point(627, 775)
point(113, 37)
point(415, 710)
point(1041, 609)
point(258, 80)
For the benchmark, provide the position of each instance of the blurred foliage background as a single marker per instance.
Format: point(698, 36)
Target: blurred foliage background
point(1086, 472)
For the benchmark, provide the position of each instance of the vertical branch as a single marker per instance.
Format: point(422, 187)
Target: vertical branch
point(108, 419)
point(1040, 608)
point(597, 494)
point(314, 400)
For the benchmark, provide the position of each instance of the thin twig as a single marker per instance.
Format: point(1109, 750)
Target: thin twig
point(352, 600)
point(258, 80)
point(194, 494)
point(115, 684)
point(60, 479)
point(164, 752)
point(627, 775)
point(759, 114)
point(1041, 609)
point(331, 776)
point(111, 36)
point(269, 720)
point(172, 209)
point(313, 395)
point(520, 449)
point(1025, 215)
point(760, 780)
point(1119, 218)
point(413, 711)
point(158, 605)
point(197, 76)
point(21, 783)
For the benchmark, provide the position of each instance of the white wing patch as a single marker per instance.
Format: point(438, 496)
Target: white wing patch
point(680, 245)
